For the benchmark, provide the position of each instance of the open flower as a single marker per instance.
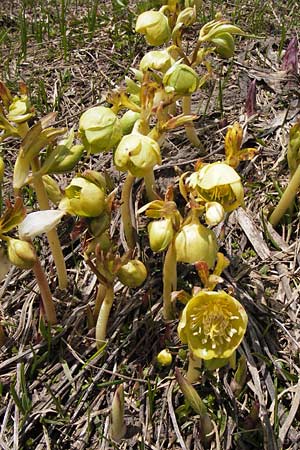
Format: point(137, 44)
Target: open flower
point(155, 26)
point(218, 182)
point(213, 325)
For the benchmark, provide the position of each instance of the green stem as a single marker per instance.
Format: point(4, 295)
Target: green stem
point(99, 300)
point(149, 184)
point(193, 373)
point(48, 305)
point(169, 281)
point(52, 236)
point(129, 229)
point(103, 316)
point(286, 199)
point(189, 127)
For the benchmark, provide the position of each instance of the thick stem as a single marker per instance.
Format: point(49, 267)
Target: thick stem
point(169, 281)
point(103, 316)
point(99, 300)
point(149, 184)
point(129, 229)
point(52, 236)
point(189, 127)
point(48, 305)
point(286, 199)
point(193, 373)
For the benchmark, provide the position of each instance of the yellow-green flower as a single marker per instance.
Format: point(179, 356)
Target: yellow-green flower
point(137, 154)
point(99, 129)
point(194, 242)
point(132, 274)
point(181, 79)
point(83, 198)
point(218, 182)
point(164, 358)
point(213, 325)
point(156, 60)
point(160, 233)
point(155, 26)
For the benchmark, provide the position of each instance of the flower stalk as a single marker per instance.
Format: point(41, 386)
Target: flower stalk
point(52, 236)
point(129, 229)
point(169, 281)
point(286, 199)
point(101, 325)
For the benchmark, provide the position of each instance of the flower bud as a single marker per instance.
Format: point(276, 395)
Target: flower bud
point(132, 274)
point(21, 253)
point(160, 234)
point(155, 26)
point(187, 16)
point(214, 213)
point(137, 154)
point(128, 120)
point(224, 45)
point(156, 60)
point(117, 426)
point(194, 242)
point(20, 109)
point(52, 189)
point(164, 358)
point(83, 198)
point(100, 129)
point(181, 79)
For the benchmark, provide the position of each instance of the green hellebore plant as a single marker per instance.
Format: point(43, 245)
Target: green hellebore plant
point(133, 273)
point(218, 182)
point(160, 233)
point(155, 26)
point(213, 325)
point(181, 79)
point(83, 198)
point(194, 242)
point(156, 60)
point(100, 129)
point(137, 154)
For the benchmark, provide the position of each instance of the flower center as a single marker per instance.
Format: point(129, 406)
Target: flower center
point(212, 324)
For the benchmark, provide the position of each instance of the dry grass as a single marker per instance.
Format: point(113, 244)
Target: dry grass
point(55, 388)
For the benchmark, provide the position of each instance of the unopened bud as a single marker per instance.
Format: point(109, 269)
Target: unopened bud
point(155, 26)
point(164, 358)
point(132, 274)
point(21, 253)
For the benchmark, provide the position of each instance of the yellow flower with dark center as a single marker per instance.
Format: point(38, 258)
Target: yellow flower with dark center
point(213, 325)
point(218, 182)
